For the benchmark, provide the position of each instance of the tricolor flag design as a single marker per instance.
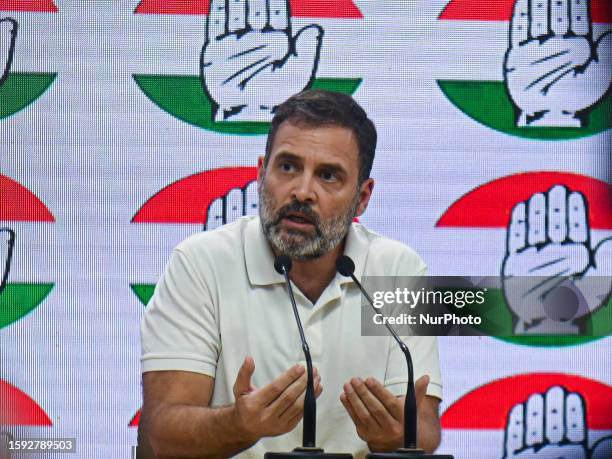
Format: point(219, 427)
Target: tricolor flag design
point(18, 205)
point(19, 89)
point(206, 200)
point(555, 79)
point(582, 205)
point(252, 59)
point(536, 415)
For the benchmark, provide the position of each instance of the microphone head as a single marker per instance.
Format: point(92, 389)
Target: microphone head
point(345, 265)
point(282, 264)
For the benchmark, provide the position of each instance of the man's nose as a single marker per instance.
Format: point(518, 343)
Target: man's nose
point(303, 189)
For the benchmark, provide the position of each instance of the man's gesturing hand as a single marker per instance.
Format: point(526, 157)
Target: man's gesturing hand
point(251, 61)
point(377, 414)
point(8, 33)
point(274, 409)
point(553, 67)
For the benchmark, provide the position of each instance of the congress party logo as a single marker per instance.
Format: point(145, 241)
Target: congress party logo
point(536, 416)
point(252, 59)
point(18, 205)
point(555, 79)
point(557, 228)
point(206, 200)
point(18, 409)
point(19, 89)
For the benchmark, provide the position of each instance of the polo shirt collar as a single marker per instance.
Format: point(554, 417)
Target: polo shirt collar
point(260, 258)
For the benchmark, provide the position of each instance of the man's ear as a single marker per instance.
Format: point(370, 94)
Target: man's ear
point(365, 192)
point(261, 171)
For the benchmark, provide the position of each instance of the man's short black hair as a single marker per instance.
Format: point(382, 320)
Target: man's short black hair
point(315, 108)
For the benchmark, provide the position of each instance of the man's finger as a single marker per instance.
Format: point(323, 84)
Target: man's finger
point(216, 25)
point(553, 403)
point(380, 413)
point(559, 17)
point(518, 229)
point(279, 14)
point(536, 223)
point(258, 14)
point(420, 388)
point(538, 26)
point(243, 380)
point(236, 15)
point(574, 418)
point(359, 408)
point(386, 398)
point(534, 420)
point(349, 409)
point(557, 208)
point(580, 22)
point(519, 27)
point(270, 392)
point(292, 396)
point(577, 218)
point(514, 430)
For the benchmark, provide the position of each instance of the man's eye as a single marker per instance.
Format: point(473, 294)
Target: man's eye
point(329, 176)
point(287, 167)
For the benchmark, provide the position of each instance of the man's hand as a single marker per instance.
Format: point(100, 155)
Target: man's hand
point(252, 61)
point(549, 242)
point(8, 34)
point(7, 241)
point(274, 409)
point(377, 414)
point(553, 69)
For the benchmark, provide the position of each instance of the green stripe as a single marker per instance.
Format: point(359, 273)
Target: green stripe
point(21, 89)
point(183, 97)
point(17, 300)
point(488, 103)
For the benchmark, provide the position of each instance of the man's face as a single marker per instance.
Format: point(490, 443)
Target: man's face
point(308, 193)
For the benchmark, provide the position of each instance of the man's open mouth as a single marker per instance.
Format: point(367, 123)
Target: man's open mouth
point(298, 218)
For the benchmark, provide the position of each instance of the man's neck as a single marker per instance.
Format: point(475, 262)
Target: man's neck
point(313, 276)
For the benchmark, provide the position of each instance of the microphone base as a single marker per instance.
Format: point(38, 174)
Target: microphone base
point(408, 453)
point(303, 452)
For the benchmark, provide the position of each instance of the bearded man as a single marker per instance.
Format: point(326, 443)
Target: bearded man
point(220, 348)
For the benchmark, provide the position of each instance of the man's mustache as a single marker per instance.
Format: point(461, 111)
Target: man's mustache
point(296, 206)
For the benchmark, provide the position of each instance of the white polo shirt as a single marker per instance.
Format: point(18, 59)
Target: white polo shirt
point(220, 300)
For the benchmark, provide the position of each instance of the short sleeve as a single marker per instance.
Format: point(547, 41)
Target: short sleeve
point(179, 330)
point(423, 349)
point(425, 361)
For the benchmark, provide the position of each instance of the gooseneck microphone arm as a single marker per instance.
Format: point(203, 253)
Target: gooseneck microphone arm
point(282, 264)
point(346, 267)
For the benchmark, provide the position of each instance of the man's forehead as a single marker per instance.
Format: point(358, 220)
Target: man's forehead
point(299, 139)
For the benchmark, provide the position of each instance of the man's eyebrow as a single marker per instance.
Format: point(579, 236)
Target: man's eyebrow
point(287, 155)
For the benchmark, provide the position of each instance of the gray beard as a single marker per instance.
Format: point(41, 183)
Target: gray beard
point(299, 245)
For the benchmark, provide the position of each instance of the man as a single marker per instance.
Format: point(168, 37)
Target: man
point(219, 341)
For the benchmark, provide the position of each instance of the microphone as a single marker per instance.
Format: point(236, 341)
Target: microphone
point(346, 267)
point(282, 265)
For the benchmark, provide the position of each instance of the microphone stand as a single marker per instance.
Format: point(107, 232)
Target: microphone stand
point(346, 267)
point(282, 264)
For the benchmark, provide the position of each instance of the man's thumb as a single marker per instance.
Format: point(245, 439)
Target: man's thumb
point(243, 380)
